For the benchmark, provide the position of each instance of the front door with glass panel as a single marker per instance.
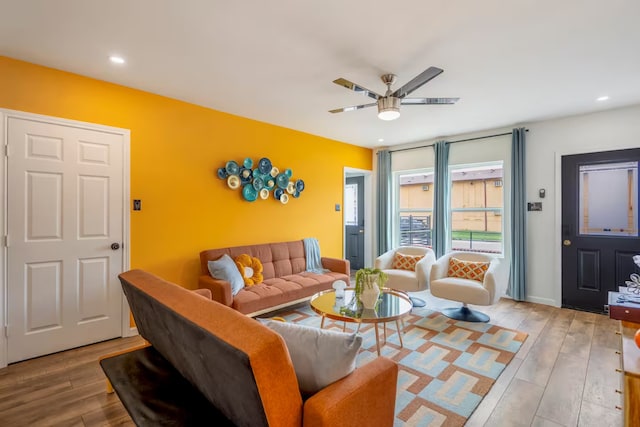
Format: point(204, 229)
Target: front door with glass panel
point(354, 221)
point(599, 225)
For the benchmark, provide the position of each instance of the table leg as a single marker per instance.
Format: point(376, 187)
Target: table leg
point(375, 325)
point(344, 326)
point(322, 323)
point(399, 334)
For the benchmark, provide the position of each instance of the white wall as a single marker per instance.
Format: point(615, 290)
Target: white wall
point(547, 141)
point(418, 158)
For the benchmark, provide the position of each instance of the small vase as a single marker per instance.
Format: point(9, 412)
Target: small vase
point(369, 296)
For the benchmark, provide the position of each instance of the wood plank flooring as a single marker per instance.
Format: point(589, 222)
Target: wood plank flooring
point(564, 375)
point(63, 389)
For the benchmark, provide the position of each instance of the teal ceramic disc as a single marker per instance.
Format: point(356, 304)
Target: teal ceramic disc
point(249, 193)
point(282, 180)
point(258, 183)
point(264, 165)
point(232, 168)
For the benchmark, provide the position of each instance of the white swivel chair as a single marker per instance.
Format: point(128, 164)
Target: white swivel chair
point(467, 291)
point(406, 280)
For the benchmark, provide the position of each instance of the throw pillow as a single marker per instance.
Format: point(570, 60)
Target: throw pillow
point(405, 262)
point(250, 269)
point(319, 357)
point(225, 269)
point(472, 270)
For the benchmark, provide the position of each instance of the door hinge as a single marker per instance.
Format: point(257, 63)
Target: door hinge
point(6, 150)
point(6, 331)
point(5, 240)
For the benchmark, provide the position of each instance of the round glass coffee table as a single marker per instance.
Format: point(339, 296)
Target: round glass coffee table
point(392, 306)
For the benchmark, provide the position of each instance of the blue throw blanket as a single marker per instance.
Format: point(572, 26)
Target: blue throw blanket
point(312, 254)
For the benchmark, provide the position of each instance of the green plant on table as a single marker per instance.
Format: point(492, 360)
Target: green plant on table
point(366, 278)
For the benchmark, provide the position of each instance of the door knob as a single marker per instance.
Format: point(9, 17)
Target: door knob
point(360, 231)
point(115, 246)
point(567, 242)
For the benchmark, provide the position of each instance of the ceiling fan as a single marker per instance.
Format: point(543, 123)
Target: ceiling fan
point(389, 103)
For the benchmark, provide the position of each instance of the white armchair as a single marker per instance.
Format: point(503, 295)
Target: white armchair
point(405, 280)
point(467, 291)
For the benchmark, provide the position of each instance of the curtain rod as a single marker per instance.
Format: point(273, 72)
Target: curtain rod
point(453, 142)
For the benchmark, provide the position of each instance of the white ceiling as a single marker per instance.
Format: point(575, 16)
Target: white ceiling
point(509, 61)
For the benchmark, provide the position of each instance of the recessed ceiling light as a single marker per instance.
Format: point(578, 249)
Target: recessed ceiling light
point(380, 139)
point(602, 98)
point(116, 59)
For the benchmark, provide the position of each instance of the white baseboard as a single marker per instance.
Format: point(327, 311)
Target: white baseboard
point(133, 331)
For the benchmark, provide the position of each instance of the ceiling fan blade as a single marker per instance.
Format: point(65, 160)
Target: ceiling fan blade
point(355, 107)
point(357, 88)
point(417, 81)
point(429, 101)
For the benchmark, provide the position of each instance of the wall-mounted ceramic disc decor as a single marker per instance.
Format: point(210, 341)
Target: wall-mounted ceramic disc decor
point(258, 182)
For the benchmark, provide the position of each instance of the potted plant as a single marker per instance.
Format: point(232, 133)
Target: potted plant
point(369, 284)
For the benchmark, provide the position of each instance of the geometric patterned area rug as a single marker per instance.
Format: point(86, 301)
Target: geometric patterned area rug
point(446, 366)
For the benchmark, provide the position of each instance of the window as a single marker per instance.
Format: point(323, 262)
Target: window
point(609, 199)
point(414, 201)
point(351, 204)
point(477, 204)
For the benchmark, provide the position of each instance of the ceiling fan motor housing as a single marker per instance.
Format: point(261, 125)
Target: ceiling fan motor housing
point(388, 108)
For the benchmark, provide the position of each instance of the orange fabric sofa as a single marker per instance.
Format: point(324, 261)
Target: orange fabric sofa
point(211, 364)
point(286, 280)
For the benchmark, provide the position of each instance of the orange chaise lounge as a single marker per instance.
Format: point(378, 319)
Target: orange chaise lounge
point(207, 364)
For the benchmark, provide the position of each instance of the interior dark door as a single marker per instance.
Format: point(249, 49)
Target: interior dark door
point(354, 221)
point(599, 225)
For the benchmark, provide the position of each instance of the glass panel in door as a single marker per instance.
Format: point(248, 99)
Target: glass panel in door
point(608, 203)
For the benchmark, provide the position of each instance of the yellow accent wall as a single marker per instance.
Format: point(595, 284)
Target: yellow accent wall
point(176, 149)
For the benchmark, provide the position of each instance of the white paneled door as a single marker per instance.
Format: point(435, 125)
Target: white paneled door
point(65, 231)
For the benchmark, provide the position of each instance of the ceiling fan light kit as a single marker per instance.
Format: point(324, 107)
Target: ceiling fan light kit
point(389, 104)
point(388, 108)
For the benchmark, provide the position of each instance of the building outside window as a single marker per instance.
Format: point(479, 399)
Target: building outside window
point(477, 205)
point(476, 210)
point(414, 198)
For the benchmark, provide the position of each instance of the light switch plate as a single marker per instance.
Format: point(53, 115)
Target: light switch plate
point(534, 206)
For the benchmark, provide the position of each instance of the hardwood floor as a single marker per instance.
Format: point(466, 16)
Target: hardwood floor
point(564, 375)
point(63, 389)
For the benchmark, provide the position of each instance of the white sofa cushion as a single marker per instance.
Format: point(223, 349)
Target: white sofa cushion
point(403, 280)
point(457, 289)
